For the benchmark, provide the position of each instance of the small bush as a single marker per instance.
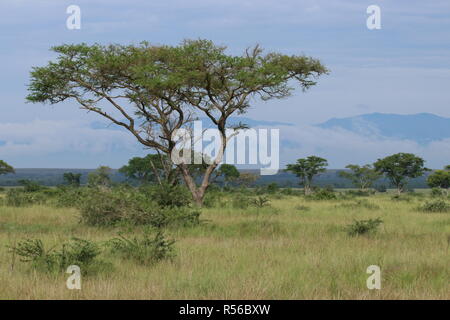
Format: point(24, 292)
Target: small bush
point(435, 206)
point(437, 193)
point(109, 207)
point(30, 185)
point(360, 227)
point(146, 250)
point(260, 202)
point(20, 198)
point(168, 195)
point(82, 253)
point(322, 194)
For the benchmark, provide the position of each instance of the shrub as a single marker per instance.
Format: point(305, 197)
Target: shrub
point(322, 194)
point(109, 207)
point(30, 185)
point(82, 253)
point(146, 250)
point(360, 227)
point(167, 195)
point(437, 192)
point(260, 202)
point(435, 206)
point(69, 196)
point(20, 198)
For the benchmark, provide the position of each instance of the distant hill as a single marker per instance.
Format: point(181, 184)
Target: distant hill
point(422, 127)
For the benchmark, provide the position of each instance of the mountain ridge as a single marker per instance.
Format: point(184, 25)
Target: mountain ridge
point(421, 127)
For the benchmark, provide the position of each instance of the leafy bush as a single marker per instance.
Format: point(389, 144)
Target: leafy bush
point(30, 185)
point(82, 253)
point(167, 195)
point(20, 198)
point(435, 206)
point(437, 192)
point(69, 196)
point(260, 202)
point(108, 207)
point(146, 251)
point(360, 227)
point(322, 194)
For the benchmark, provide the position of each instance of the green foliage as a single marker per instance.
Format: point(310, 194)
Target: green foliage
point(360, 227)
point(306, 169)
point(157, 89)
point(435, 206)
point(322, 194)
point(5, 168)
point(100, 177)
point(228, 172)
point(109, 207)
point(362, 177)
point(145, 250)
point(246, 179)
point(400, 167)
point(30, 185)
point(167, 195)
point(440, 179)
point(72, 179)
point(82, 253)
point(21, 198)
point(437, 192)
point(150, 169)
point(260, 202)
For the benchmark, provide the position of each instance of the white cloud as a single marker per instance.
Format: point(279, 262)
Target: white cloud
point(342, 147)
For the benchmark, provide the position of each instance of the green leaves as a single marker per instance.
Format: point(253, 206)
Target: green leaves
point(400, 167)
point(5, 168)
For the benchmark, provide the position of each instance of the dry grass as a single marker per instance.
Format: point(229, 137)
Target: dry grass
point(279, 253)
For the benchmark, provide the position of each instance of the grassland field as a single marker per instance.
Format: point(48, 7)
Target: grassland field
point(294, 249)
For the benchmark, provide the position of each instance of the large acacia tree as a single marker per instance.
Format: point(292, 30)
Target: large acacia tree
point(154, 90)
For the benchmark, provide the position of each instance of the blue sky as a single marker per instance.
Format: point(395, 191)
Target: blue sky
point(403, 68)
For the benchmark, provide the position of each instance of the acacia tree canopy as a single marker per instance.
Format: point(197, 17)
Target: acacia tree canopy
point(401, 167)
point(5, 168)
point(361, 176)
point(306, 169)
point(154, 90)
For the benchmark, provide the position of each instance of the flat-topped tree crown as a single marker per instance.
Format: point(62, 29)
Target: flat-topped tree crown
point(154, 90)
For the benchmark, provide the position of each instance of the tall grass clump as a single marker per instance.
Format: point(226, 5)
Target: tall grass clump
point(361, 227)
point(145, 250)
point(435, 206)
point(80, 252)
